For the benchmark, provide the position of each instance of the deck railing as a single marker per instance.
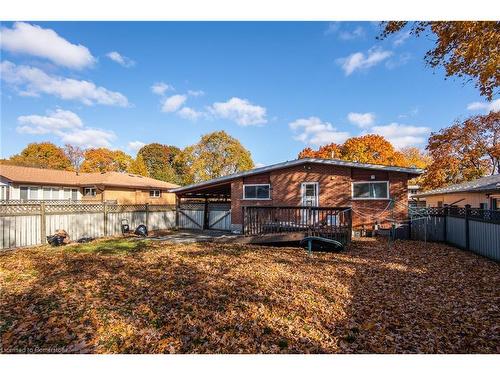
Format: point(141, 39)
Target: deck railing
point(328, 222)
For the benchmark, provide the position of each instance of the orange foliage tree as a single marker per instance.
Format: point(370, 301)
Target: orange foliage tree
point(370, 148)
point(41, 155)
point(466, 49)
point(464, 151)
point(105, 160)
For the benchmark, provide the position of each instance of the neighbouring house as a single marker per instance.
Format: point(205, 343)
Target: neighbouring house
point(22, 184)
point(376, 193)
point(481, 193)
point(413, 190)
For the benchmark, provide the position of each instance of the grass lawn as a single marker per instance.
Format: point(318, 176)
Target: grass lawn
point(123, 296)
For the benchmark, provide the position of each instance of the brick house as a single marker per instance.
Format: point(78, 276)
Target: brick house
point(22, 184)
point(376, 193)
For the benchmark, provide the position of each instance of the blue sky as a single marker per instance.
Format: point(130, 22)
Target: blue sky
point(276, 86)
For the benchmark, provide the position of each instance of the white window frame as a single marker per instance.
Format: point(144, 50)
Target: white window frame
point(369, 198)
point(302, 190)
point(30, 188)
point(3, 192)
point(154, 193)
point(257, 199)
point(89, 195)
point(52, 190)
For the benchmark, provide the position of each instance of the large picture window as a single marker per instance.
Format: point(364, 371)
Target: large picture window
point(370, 190)
point(256, 191)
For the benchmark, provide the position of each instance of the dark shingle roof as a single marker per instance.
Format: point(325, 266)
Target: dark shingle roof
point(483, 184)
point(291, 163)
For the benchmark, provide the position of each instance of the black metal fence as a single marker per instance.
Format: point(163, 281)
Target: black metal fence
point(328, 222)
point(470, 229)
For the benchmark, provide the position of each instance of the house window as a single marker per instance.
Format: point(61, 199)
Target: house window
point(370, 190)
point(483, 206)
point(257, 191)
point(23, 193)
point(50, 193)
point(89, 192)
point(46, 194)
point(440, 204)
point(34, 193)
point(74, 194)
point(494, 203)
point(3, 193)
point(155, 193)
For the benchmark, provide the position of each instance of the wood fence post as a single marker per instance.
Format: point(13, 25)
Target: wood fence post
point(105, 218)
point(467, 208)
point(43, 230)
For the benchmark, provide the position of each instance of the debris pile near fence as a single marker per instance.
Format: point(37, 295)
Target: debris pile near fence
point(29, 224)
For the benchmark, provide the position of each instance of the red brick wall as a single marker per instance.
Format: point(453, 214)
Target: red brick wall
point(334, 190)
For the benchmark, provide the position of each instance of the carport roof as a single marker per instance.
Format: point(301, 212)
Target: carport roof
point(292, 163)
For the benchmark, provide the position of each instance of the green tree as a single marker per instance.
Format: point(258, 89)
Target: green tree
point(467, 49)
point(42, 155)
point(216, 154)
point(162, 162)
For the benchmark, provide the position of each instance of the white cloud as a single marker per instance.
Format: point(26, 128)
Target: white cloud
point(190, 113)
point(315, 132)
point(332, 28)
point(53, 122)
point(358, 32)
point(67, 126)
point(89, 138)
point(135, 145)
point(401, 38)
point(196, 92)
point(173, 103)
point(362, 120)
point(240, 111)
point(360, 61)
point(397, 61)
point(120, 59)
point(342, 33)
point(160, 88)
point(402, 135)
point(31, 81)
point(46, 43)
point(486, 107)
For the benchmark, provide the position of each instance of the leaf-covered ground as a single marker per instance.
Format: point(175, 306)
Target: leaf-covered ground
point(122, 296)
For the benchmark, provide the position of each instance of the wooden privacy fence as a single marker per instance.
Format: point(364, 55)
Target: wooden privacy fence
point(200, 215)
point(471, 229)
point(329, 222)
point(29, 224)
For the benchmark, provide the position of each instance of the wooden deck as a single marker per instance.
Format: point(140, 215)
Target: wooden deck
point(290, 224)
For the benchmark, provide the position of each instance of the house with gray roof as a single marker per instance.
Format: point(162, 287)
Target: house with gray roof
point(481, 193)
